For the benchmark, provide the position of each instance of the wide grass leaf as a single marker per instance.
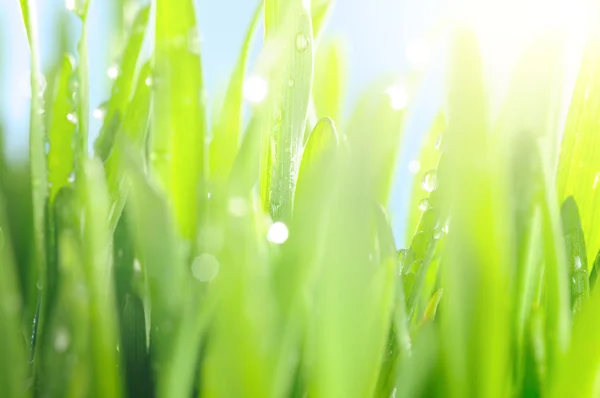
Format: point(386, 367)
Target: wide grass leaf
point(177, 152)
point(579, 164)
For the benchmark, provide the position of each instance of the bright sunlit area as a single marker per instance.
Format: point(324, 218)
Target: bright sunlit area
point(299, 198)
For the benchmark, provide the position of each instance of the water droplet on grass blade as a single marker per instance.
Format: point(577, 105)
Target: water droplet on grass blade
point(291, 83)
point(71, 117)
point(424, 204)
point(237, 206)
point(193, 41)
point(302, 42)
point(62, 339)
point(429, 181)
point(205, 267)
point(278, 233)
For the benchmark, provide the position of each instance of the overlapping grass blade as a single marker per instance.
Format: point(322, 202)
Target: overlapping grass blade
point(579, 164)
point(328, 89)
point(228, 127)
point(475, 311)
point(576, 253)
point(93, 193)
point(290, 23)
point(133, 130)
point(61, 130)
point(39, 180)
point(427, 161)
point(65, 361)
point(177, 152)
point(14, 351)
point(123, 87)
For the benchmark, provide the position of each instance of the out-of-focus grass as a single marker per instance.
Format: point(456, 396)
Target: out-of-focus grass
point(258, 259)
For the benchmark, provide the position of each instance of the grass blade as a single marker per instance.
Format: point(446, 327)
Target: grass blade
point(578, 169)
point(61, 130)
point(177, 146)
point(283, 142)
point(228, 127)
point(123, 87)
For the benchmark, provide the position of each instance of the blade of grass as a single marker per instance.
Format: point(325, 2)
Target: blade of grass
point(227, 130)
point(14, 354)
point(328, 88)
point(283, 140)
point(61, 130)
point(39, 178)
point(177, 146)
point(578, 172)
point(123, 87)
point(475, 312)
point(576, 253)
point(99, 274)
point(133, 129)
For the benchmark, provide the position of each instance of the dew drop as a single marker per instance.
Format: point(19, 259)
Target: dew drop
point(429, 181)
point(148, 81)
point(193, 41)
point(278, 233)
point(205, 267)
point(301, 42)
point(291, 83)
point(237, 206)
point(71, 117)
point(424, 204)
point(61, 340)
point(71, 178)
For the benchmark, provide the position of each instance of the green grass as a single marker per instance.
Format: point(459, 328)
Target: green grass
point(187, 257)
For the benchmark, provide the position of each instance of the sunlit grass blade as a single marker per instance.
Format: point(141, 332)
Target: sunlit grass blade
point(328, 89)
point(595, 271)
point(228, 127)
point(177, 152)
point(348, 334)
point(426, 161)
point(132, 130)
point(66, 362)
point(475, 309)
point(159, 251)
point(122, 90)
point(282, 148)
point(61, 130)
point(13, 369)
point(93, 193)
point(82, 90)
point(579, 164)
point(320, 10)
point(376, 127)
point(576, 253)
point(39, 177)
point(577, 371)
